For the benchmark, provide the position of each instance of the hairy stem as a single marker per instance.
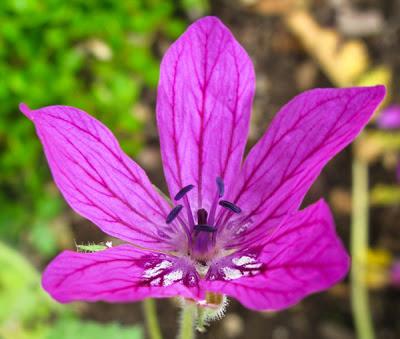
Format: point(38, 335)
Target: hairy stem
point(150, 312)
point(201, 319)
point(359, 248)
point(186, 330)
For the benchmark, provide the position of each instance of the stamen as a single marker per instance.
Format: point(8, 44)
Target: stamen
point(173, 214)
point(205, 228)
point(221, 186)
point(230, 206)
point(183, 192)
point(220, 193)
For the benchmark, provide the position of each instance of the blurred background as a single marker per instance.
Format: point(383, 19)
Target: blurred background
point(103, 56)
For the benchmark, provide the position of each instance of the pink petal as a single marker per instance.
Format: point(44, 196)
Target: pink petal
point(118, 274)
point(204, 99)
point(303, 137)
point(97, 179)
point(303, 256)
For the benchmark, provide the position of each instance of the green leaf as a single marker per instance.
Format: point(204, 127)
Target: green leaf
point(75, 328)
point(24, 306)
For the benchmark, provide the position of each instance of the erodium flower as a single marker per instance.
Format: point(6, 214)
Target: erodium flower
point(389, 119)
point(231, 228)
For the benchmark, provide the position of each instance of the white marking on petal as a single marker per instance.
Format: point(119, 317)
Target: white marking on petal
point(172, 277)
point(241, 230)
point(155, 282)
point(202, 269)
point(212, 277)
point(192, 279)
point(255, 265)
point(154, 271)
point(243, 261)
point(231, 273)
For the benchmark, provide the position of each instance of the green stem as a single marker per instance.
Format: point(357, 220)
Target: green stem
point(150, 312)
point(201, 319)
point(359, 248)
point(186, 330)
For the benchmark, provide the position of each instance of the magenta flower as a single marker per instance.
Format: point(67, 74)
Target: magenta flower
point(233, 228)
point(389, 118)
point(395, 274)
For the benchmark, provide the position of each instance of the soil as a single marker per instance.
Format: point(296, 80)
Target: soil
point(283, 69)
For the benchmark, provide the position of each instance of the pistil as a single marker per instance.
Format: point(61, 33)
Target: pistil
point(202, 235)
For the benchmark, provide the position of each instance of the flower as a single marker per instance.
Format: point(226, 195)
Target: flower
point(389, 119)
point(395, 274)
point(234, 229)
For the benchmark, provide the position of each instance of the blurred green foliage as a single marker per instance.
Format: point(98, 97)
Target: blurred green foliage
point(74, 328)
point(27, 312)
point(24, 307)
point(96, 55)
point(385, 195)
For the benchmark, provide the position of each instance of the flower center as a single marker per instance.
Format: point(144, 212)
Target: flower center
point(202, 229)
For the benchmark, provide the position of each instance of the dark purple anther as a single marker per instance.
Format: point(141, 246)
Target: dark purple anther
point(183, 191)
point(173, 214)
point(221, 187)
point(230, 206)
